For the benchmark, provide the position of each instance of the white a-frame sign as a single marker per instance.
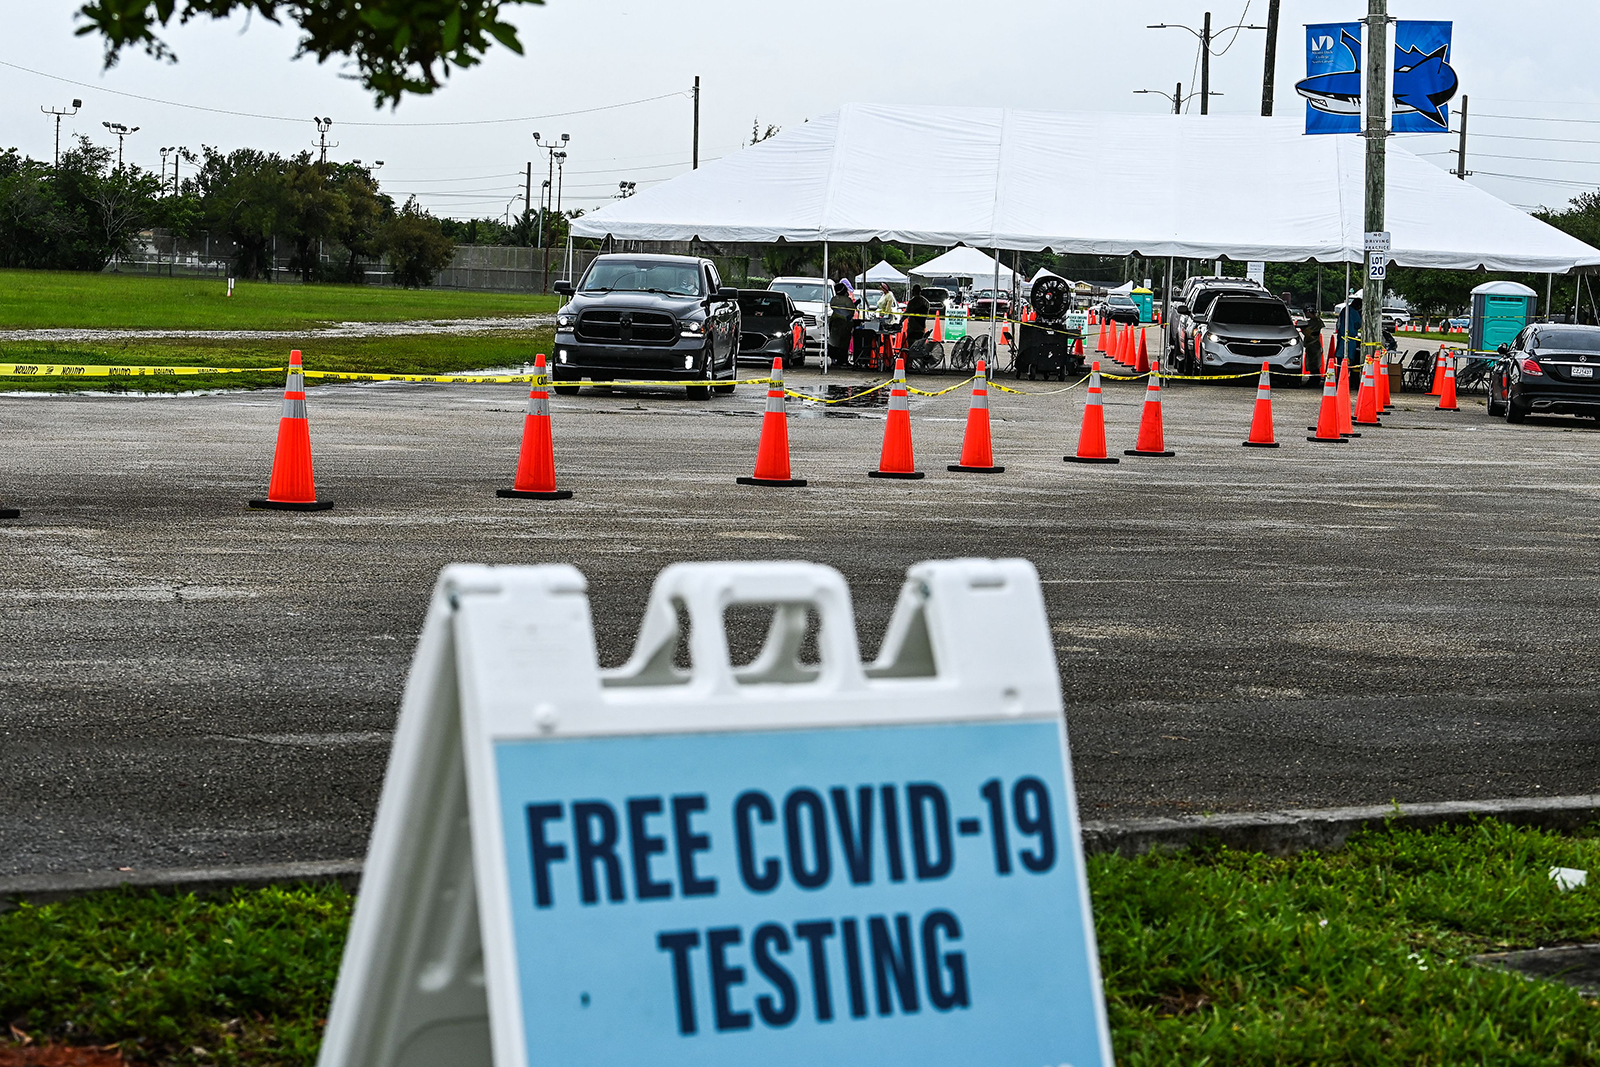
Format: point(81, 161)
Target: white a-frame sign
point(801, 860)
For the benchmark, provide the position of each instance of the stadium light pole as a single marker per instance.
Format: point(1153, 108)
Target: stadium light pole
point(122, 132)
point(58, 113)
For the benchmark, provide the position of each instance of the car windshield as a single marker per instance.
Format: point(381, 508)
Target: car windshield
point(642, 276)
point(1123, 301)
point(763, 305)
point(812, 292)
point(1251, 313)
point(1205, 297)
point(1576, 340)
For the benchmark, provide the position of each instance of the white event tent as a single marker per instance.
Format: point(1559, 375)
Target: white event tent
point(881, 271)
point(1244, 187)
point(964, 262)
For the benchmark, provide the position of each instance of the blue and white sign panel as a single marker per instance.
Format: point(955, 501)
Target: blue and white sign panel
point(1332, 85)
point(1424, 80)
point(892, 895)
point(790, 861)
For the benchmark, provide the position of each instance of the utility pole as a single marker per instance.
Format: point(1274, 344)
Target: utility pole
point(527, 197)
point(323, 125)
point(122, 133)
point(696, 123)
point(561, 168)
point(1270, 70)
point(1205, 35)
point(58, 112)
point(1177, 98)
point(1461, 170)
point(1376, 133)
point(550, 148)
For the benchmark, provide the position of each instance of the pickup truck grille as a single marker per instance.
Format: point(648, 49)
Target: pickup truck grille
point(621, 326)
point(1255, 349)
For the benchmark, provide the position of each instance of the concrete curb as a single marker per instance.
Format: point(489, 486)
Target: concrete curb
point(1282, 833)
point(1275, 832)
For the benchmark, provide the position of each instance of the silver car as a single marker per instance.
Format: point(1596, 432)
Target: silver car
point(1242, 331)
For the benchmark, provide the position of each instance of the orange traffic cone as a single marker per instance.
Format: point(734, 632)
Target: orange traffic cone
point(1099, 337)
point(1438, 375)
point(1367, 396)
point(1005, 335)
point(292, 487)
point(1151, 441)
point(1077, 348)
point(1143, 364)
point(1345, 427)
point(1261, 425)
point(536, 461)
point(1127, 353)
point(1447, 398)
point(1092, 437)
point(1199, 356)
point(1385, 402)
point(896, 460)
point(938, 328)
point(1327, 427)
point(772, 452)
point(977, 449)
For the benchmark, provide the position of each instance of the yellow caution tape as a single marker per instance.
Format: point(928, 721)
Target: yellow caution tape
point(79, 370)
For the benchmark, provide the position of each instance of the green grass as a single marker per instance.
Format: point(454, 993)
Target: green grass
point(410, 354)
point(1210, 958)
point(68, 299)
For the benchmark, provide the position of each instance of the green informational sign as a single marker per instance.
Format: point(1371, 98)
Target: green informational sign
point(955, 327)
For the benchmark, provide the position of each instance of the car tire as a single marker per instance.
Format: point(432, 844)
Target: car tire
point(1515, 412)
point(1495, 409)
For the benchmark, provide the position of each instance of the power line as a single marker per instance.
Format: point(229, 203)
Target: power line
point(288, 118)
point(1538, 118)
point(1539, 181)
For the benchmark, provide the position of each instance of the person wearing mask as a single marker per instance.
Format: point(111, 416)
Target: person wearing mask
point(841, 321)
point(917, 311)
point(886, 306)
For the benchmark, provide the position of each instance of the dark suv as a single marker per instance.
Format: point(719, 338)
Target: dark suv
point(1189, 313)
point(643, 318)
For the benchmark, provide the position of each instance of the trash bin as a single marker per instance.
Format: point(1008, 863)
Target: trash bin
point(1499, 312)
point(1146, 300)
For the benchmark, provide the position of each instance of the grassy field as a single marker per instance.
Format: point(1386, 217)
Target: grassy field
point(68, 299)
point(1211, 958)
point(411, 354)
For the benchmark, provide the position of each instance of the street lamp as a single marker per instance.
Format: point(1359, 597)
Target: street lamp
point(1176, 96)
point(58, 112)
point(122, 132)
point(552, 147)
point(1205, 34)
point(625, 189)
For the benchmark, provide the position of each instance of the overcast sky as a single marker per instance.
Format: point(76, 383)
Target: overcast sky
point(1529, 68)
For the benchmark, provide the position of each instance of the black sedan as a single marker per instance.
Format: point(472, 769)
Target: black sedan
point(1549, 369)
point(771, 328)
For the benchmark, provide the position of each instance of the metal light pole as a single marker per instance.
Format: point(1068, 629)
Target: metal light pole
point(122, 132)
point(323, 125)
point(1176, 96)
point(551, 148)
point(165, 152)
point(58, 112)
point(1206, 36)
point(626, 189)
point(1376, 133)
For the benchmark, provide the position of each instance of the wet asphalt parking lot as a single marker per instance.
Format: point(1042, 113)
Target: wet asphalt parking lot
point(184, 682)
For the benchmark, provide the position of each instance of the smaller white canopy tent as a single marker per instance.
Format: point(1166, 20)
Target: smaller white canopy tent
point(1043, 272)
point(882, 271)
point(965, 262)
point(1122, 290)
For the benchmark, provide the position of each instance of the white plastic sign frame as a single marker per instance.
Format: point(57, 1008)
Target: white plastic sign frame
point(786, 862)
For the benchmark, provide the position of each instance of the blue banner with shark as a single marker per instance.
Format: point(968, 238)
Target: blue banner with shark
point(1332, 85)
point(1424, 81)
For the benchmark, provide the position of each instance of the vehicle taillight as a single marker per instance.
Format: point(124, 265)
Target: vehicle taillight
point(1531, 368)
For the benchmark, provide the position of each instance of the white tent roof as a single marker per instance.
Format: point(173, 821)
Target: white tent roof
point(1239, 186)
point(882, 271)
point(1044, 272)
point(963, 262)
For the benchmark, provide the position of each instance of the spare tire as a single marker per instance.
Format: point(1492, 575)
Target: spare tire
point(1050, 297)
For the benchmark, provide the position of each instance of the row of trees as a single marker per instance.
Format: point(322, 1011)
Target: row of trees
point(332, 217)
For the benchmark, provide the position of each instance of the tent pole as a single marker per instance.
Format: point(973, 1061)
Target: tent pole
point(827, 307)
point(994, 310)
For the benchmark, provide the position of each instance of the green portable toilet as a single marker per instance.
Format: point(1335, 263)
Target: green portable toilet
point(1147, 304)
point(1499, 312)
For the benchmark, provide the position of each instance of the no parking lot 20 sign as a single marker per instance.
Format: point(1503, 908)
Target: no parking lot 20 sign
point(786, 862)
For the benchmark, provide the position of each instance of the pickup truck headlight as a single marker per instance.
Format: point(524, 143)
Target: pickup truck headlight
point(691, 328)
point(563, 320)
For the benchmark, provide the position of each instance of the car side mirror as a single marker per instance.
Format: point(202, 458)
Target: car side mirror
point(726, 293)
point(562, 288)
point(1504, 350)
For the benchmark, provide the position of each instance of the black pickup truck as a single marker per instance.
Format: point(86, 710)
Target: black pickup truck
point(648, 318)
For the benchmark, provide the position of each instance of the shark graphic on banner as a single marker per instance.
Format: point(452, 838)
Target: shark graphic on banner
point(1332, 85)
point(1424, 81)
